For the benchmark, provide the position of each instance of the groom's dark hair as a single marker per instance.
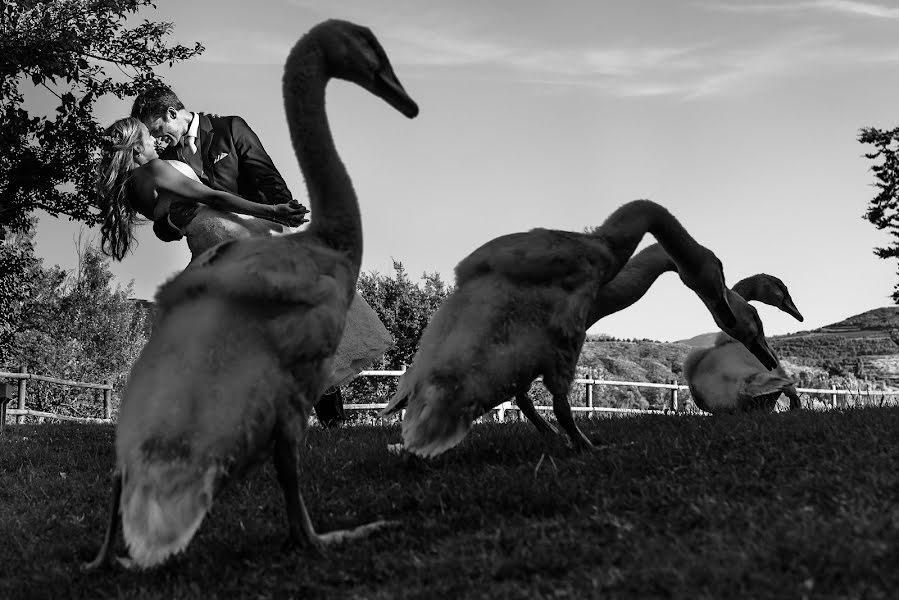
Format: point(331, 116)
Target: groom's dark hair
point(153, 103)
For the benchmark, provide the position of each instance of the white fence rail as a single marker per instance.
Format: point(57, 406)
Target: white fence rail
point(837, 397)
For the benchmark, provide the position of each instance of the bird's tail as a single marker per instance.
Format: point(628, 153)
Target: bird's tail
point(431, 425)
point(162, 506)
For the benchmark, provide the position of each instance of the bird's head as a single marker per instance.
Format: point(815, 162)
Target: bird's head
point(770, 290)
point(352, 52)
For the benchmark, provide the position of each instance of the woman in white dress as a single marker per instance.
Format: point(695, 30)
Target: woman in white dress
point(135, 184)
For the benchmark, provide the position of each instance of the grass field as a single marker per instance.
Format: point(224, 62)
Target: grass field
point(791, 505)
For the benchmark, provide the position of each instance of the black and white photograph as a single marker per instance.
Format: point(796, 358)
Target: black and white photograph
point(420, 299)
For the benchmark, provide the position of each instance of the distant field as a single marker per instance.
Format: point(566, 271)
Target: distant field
point(791, 505)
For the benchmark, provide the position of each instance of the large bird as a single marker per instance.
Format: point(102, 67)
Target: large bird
point(519, 310)
point(725, 378)
point(243, 344)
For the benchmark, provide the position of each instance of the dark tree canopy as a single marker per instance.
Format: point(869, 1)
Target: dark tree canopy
point(78, 51)
point(883, 210)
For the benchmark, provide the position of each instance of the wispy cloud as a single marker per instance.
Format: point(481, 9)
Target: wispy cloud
point(850, 7)
point(689, 71)
point(715, 62)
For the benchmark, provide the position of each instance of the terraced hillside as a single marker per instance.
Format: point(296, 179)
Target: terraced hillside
point(865, 346)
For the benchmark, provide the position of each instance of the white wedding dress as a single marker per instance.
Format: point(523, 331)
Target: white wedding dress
point(365, 339)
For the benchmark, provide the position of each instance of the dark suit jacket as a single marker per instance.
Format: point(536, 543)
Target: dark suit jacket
point(230, 158)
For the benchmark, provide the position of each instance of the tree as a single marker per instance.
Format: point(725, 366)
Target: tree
point(65, 47)
point(20, 271)
point(883, 210)
point(76, 326)
point(405, 308)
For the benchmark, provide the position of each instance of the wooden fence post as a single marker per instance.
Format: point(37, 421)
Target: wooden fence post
point(674, 402)
point(22, 391)
point(833, 397)
point(107, 401)
point(590, 390)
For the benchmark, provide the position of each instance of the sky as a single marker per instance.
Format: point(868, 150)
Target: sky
point(740, 117)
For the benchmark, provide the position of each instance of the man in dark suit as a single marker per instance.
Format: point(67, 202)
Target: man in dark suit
point(226, 155)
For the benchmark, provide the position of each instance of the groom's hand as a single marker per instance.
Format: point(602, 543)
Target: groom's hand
point(295, 204)
point(291, 214)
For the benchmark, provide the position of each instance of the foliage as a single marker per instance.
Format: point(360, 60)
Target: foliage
point(619, 360)
point(883, 209)
point(405, 308)
point(19, 271)
point(65, 48)
point(790, 505)
point(77, 327)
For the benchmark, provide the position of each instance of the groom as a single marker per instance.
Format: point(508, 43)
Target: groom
point(226, 155)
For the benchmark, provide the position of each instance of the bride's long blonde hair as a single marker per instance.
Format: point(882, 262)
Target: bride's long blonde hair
point(116, 165)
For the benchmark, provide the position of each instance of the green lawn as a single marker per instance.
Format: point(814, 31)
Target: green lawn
point(789, 505)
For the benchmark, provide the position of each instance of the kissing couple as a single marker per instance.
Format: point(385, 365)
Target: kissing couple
point(208, 179)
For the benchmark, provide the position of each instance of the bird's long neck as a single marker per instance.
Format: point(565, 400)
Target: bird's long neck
point(335, 217)
point(751, 288)
point(631, 283)
point(625, 227)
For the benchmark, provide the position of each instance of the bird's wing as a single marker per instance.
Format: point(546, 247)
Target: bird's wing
point(763, 383)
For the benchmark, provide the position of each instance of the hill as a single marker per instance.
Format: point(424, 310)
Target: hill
point(703, 340)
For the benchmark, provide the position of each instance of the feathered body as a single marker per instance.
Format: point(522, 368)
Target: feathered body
point(519, 310)
point(226, 365)
point(725, 378)
point(245, 336)
point(488, 351)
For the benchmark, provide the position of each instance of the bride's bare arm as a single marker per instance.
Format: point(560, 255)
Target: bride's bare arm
point(167, 178)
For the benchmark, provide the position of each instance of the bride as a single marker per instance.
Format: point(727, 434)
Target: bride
point(135, 184)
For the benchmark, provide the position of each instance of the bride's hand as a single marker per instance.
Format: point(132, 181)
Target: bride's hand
point(291, 214)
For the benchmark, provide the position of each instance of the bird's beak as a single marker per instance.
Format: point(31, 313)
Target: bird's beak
point(760, 349)
point(788, 307)
point(389, 88)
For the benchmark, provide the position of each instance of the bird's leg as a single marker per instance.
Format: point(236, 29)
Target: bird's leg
point(299, 525)
point(795, 401)
point(527, 408)
point(103, 556)
point(562, 410)
point(298, 522)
